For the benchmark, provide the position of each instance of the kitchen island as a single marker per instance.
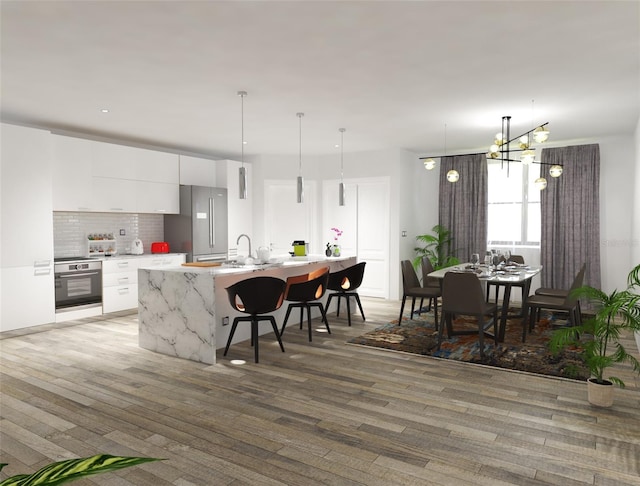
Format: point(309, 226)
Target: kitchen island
point(184, 311)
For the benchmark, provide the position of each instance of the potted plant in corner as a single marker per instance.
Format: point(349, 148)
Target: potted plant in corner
point(437, 248)
point(599, 336)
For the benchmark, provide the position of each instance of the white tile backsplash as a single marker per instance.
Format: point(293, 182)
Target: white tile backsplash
point(70, 230)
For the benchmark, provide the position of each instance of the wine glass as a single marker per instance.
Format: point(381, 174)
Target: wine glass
point(507, 255)
point(475, 259)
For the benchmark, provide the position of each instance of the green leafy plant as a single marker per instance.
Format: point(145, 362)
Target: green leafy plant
point(71, 469)
point(599, 336)
point(438, 247)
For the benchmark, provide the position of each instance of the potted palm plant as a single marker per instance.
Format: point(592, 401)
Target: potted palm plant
point(599, 336)
point(438, 247)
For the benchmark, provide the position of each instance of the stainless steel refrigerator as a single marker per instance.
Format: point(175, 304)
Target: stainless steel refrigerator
point(200, 230)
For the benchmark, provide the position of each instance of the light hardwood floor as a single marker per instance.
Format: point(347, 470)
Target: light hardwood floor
point(322, 413)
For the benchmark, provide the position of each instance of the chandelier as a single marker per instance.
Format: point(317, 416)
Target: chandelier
point(505, 148)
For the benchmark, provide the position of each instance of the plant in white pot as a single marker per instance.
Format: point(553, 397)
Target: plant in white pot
point(599, 336)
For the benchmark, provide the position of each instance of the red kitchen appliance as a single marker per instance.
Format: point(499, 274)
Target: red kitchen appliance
point(160, 247)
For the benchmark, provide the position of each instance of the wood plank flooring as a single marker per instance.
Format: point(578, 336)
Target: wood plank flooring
point(321, 413)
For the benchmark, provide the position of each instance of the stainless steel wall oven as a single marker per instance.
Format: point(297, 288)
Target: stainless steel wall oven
point(78, 283)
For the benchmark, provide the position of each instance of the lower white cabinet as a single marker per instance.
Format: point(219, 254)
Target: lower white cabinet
point(119, 285)
point(27, 295)
point(120, 279)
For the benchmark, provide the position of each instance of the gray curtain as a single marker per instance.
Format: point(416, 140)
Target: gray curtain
point(463, 204)
point(570, 211)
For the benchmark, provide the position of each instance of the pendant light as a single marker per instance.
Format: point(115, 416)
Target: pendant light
point(341, 186)
point(242, 172)
point(300, 181)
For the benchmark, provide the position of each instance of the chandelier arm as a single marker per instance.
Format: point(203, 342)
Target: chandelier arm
point(527, 133)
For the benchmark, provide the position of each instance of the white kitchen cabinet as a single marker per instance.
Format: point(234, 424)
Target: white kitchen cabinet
point(120, 279)
point(114, 195)
point(27, 293)
point(157, 197)
point(123, 162)
point(119, 285)
point(72, 175)
point(196, 171)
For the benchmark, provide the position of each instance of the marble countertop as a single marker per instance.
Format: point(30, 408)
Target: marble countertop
point(239, 269)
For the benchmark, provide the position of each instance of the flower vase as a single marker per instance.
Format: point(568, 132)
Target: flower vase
point(328, 252)
point(336, 250)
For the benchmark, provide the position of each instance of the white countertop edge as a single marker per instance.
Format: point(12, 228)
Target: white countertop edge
point(292, 262)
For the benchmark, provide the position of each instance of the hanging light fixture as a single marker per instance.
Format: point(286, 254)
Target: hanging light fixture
point(242, 172)
point(300, 181)
point(501, 150)
point(453, 175)
point(540, 183)
point(555, 171)
point(341, 186)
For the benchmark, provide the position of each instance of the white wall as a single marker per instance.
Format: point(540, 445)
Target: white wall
point(635, 221)
point(406, 198)
point(618, 194)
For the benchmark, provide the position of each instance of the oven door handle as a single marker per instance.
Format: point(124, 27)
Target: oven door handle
point(79, 275)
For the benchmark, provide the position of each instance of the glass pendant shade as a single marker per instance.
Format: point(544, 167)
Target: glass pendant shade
point(528, 156)
point(429, 164)
point(540, 183)
point(555, 171)
point(242, 182)
point(524, 142)
point(540, 134)
point(453, 176)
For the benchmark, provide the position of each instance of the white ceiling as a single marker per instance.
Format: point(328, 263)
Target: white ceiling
point(393, 73)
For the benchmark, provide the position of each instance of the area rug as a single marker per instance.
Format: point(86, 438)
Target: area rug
point(418, 336)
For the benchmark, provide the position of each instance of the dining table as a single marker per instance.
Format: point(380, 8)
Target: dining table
point(505, 276)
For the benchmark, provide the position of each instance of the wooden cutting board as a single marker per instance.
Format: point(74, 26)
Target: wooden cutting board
point(202, 264)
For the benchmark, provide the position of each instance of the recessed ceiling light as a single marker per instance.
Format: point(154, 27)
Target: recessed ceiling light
point(244, 142)
point(104, 110)
point(337, 145)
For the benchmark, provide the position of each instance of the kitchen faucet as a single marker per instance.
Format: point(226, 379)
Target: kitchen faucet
point(248, 239)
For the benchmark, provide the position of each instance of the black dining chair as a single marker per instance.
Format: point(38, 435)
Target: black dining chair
point(569, 303)
point(345, 283)
point(428, 282)
point(257, 297)
point(305, 292)
point(462, 295)
point(411, 288)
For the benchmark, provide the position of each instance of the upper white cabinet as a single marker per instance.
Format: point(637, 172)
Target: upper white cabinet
point(195, 171)
point(72, 182)
point(106, 177)
point(26, 196)
point(157, 197)
point(122, 162)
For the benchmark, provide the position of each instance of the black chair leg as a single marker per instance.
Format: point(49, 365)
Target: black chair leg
point(324, 316)
point(481, 335)
point(301, 316)
point(338, 309)
point(348, 310)
point(309, 321)
point(360, 306)
point(275, 331)
point(233, 331)
point(329, 301)
point(286, 318)
point(254, 338)
point(413, 306)
point(404, 298)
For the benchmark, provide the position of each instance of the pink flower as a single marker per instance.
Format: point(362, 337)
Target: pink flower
point(338, 233)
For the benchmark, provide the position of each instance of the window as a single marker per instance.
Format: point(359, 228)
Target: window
point(514, 205)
